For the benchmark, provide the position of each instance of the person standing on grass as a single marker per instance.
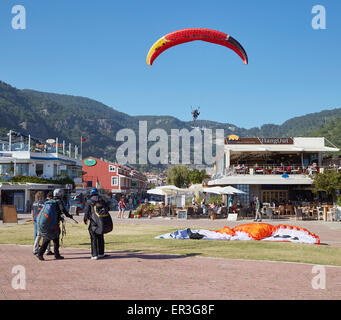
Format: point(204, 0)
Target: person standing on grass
point(36, 207)
point(257, 208)
point(97, 239)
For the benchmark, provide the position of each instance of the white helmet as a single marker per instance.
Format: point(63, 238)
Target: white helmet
point(58, 193)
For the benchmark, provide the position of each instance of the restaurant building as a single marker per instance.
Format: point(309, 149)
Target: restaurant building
point(113, 177)
point(274, 169)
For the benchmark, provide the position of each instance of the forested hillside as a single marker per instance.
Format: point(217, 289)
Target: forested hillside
point(50, 115)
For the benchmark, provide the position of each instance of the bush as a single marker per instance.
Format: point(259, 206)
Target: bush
point(32, 179)
point(139, 210)
point(216, 199)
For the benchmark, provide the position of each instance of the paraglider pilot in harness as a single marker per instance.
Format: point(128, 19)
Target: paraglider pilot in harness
point(195, 114)
point(97, 212)
point(48, 222)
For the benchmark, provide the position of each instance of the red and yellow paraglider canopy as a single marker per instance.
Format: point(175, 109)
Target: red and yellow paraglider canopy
point(186, 35)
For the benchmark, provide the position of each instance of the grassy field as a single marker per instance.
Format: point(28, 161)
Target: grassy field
point(140, 238)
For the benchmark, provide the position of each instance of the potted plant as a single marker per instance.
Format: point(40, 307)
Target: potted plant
point(150, 210)
point(138, 212)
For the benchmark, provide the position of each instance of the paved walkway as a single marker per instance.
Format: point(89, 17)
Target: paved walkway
point(126, 275)
point(137, 276)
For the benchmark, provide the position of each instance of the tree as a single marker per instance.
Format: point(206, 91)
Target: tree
point(329, 182)
point(196, 176)
point(178, 176)
point(181, 176)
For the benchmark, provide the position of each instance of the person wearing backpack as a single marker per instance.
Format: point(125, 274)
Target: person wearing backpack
point(97, 212)
point(37, 205)
point(48, 223)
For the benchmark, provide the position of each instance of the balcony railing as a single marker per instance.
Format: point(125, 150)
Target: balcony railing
point(272, 170)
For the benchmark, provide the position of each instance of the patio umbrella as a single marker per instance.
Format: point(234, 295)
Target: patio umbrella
point(233, 190)
point(196, 187)
point(214, 190)
point(170, 190)
point(157, 192)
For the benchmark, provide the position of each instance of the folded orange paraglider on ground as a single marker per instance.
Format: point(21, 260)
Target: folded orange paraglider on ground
point(250, 231)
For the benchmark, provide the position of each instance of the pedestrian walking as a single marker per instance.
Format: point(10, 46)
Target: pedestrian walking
point(257, 208)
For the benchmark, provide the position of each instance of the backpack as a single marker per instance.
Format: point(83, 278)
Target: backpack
point(101, 217)
point(48, 221)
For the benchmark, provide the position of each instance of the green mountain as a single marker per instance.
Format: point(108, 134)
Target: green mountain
point(50, 115)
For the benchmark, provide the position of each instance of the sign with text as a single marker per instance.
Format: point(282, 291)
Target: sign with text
point(260, 141)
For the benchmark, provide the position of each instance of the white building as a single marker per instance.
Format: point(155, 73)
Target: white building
point(277, 169)
point(22, 155)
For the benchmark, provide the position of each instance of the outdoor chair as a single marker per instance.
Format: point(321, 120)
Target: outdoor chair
point(289, 209)
point(269, 213)
point(281, 210)
point(224, 212)
point(331, 214)
point(300, 214)
point(165, 211)
point(200, 211)
point(190, 211)
point(249, 212)
point(243, 213)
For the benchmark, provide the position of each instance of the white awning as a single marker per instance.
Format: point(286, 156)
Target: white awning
point(262, 179)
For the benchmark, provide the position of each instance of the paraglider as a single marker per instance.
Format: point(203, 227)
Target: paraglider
point(195, 114)
point(186, 35)
point(249, 231)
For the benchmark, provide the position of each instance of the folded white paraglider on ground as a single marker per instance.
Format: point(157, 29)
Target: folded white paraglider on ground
point(250, 231)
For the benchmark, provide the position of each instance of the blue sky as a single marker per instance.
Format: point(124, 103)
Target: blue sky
point(98, 49)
